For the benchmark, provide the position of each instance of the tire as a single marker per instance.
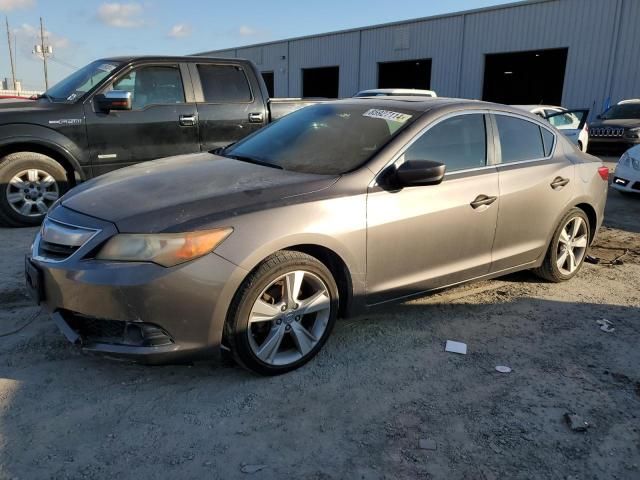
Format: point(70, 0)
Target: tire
point(550, 269)
point(581, 147)
point(45, 186)
point(282, 324)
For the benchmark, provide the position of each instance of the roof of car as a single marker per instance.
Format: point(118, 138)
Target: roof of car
point(164, 58)
point(399, 91)
point(531, 108)
point(429, 103)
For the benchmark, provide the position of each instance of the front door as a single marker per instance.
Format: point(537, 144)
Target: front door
point(420, 238)
point(160, 124)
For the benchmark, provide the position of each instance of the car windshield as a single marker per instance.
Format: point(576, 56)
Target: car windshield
point(329, 138)
point(81, 81)
point(622, 112)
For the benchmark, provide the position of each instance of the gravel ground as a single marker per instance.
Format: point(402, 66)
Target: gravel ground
point(361, 408)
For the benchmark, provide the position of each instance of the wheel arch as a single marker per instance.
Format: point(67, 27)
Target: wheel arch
point(591, 214)
point(57, 153)
point(338, 269)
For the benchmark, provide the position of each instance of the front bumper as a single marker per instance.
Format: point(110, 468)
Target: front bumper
point(137, 311)
point(626, 179)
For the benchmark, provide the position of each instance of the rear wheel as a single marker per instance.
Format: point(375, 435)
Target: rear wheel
point(29, 184)
point(282, 314)
point(568, 248)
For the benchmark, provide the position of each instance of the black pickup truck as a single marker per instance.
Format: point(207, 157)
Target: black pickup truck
point(119, 111)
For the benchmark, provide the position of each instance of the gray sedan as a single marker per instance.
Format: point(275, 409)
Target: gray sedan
point(256, 249)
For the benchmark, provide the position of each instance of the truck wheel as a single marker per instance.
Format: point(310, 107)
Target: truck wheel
point(29, 184)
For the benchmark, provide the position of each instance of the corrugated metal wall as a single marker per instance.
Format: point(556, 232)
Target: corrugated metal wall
point(603, 38)
point(271, 58)
point(325, 51)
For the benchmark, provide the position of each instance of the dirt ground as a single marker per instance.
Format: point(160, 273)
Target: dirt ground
point(361, 408)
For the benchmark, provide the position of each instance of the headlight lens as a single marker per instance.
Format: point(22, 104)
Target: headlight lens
point(166, 249)
point(635, 163)
point(625, 160)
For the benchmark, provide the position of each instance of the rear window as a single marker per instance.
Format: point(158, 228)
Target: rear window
point(519, 139)
point(224, 84)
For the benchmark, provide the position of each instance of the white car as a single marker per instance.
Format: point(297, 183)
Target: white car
point(395, 92)
point(572, 123)
point(626, 178)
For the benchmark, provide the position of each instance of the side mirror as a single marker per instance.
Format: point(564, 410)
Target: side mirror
point(114, 100)
point(419, 172)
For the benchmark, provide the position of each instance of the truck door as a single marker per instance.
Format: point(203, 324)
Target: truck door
point(228, 108)
point(162, 121)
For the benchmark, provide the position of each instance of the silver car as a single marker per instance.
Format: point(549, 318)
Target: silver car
point(256, 249)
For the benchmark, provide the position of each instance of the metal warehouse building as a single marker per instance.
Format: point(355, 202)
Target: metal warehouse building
point(577, 53)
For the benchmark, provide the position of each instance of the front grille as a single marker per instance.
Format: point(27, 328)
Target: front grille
point(116, 332)
point(58, 241)
point(606, 132)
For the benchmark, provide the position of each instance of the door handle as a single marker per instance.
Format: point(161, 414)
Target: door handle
point(559, 182)
point(187, 120)
point(482, 200)
point(256, 118)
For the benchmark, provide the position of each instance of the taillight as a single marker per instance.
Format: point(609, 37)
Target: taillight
point(604, 173)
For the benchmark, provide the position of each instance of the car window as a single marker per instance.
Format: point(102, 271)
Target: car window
point(458, 142)
point(547, 139)
point(224, 84)
point(519, 139)
point(154, 85)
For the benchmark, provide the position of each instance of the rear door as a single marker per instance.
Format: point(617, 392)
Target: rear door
point(535, 186)
point(424, 237)
point(229, 108)
point(569, 122)
point(161, 123)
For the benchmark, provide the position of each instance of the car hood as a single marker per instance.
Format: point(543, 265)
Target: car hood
point(187, 192)
point(620, 122)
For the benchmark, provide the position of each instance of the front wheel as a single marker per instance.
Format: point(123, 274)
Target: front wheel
point(568, 248)
point(282, 314)
point(29, 184)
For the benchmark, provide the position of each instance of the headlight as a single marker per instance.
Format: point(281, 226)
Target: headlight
point(166, 249)
point(625, 160)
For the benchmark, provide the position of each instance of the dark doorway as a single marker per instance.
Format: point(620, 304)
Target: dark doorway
point(321, 82)
point(268, 81)
point(408, 74)
point(534, 77)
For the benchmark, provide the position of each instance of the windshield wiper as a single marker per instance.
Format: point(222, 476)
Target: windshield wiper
point(45, 95)
point(244, 158)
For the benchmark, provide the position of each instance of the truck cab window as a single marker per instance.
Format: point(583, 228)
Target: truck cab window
point(224, 84)
point(156, 85)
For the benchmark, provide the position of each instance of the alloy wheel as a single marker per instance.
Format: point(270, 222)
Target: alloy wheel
point(32, 192)
point(572, 245)
point(289, 318)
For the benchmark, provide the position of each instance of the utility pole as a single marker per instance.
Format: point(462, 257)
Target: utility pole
point(44, 55)
point(13, 68)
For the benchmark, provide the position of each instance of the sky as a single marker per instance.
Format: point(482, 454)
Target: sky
point(83, 30)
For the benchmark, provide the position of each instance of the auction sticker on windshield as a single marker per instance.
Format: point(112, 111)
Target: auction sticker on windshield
point(387, 115)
